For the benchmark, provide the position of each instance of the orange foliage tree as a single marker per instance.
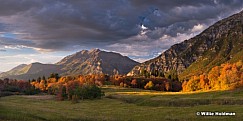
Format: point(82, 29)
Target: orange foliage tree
point(149, 85)
point(224, 77)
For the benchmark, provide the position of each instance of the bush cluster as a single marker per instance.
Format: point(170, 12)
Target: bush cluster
point(73, 87)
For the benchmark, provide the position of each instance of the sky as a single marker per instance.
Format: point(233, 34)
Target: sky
point(47, 30)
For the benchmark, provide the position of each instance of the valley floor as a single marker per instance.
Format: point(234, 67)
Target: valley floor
point(121, 104)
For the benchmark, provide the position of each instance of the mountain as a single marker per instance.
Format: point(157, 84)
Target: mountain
point(31, 71)
point(15, 71)
point(84, 62)
point(222, 42)
point(96, 61)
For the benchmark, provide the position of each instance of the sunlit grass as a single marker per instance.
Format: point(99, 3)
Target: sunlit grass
point(199, 94)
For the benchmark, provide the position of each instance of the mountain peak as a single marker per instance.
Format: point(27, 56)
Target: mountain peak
point(36, 63)
point(83, 51)
point(95, 50)
point(96, 61)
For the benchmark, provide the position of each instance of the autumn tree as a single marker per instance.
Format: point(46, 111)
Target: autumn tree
point(39, 79)
point(42, 85)
point(234, 76)
point(204, 82)
point(134, 83)
point(55, 76)
point(149, 85)
point(184, 86)
point(213, 76)
point(192, 84)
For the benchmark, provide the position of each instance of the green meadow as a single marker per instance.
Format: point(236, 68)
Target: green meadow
point(125, 104)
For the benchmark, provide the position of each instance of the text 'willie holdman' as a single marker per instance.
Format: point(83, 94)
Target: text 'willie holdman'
point(207, 113)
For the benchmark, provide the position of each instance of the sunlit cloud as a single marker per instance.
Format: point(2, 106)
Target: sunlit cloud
point(198, 28)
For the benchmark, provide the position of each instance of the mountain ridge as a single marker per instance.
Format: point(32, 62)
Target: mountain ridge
point(182, 56)
point(84, 62)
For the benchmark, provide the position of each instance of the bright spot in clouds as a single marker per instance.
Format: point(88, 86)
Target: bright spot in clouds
point(198, 27)
point(143, 27)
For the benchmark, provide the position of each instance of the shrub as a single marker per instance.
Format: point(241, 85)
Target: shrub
point(75, 90)
point(31, 91)
point(11, 88)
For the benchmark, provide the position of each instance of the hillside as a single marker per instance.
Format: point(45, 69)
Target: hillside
point(220, 43)
point(31, 71)
point(84, 62)
point(15, 71)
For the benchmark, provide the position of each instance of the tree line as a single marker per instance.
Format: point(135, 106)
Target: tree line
point(158, 83)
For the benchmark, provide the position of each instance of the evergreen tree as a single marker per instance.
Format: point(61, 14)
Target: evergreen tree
point(39, 79)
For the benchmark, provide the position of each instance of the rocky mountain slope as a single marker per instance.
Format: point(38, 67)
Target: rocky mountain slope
point(221, 42)
point(84, 62)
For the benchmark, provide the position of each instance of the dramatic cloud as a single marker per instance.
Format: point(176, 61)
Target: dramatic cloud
point(140, 29)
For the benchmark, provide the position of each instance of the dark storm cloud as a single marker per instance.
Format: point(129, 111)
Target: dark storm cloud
point(61, 24)
point(11, 41)
point(11, 7)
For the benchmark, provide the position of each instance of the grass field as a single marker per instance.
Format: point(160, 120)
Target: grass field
point(121, 104)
